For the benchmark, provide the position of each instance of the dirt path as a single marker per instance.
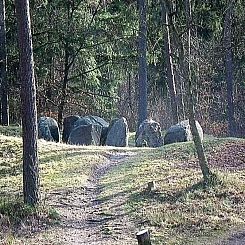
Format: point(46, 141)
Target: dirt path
point(237, 238)
point(85, 219)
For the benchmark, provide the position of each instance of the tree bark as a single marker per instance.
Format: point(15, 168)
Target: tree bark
point(3, 68)
point(143, 237)
point(187, 74)
point(229, 69)
point(169, 64)
point(67, 66)
point(142, 46)
point(64, 89)
point(28, 99)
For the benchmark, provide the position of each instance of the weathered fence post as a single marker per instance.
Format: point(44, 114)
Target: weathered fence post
point(151, 186)
point(143, 237)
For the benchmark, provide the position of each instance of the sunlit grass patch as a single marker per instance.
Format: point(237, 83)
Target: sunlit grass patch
point(10, 165)
point(68, 167)
point(182, 210)
point(61, 166)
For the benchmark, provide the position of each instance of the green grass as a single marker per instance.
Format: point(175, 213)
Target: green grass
point(182, 210)
point(10, 130)
point(15, 211)
point(62, 167)
point(68, 166)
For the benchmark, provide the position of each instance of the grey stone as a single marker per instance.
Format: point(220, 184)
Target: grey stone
point(181, 132)
point(85, 135)
point(95, 120)
point(105, 126)
point(91, 120)
point(118, 133)
point(48, 129)
point(149, 134)
point(99, 120)
point(68, 125)
point(82, 121)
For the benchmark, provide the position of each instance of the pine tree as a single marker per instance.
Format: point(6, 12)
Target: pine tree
point(4, 115)
point(29, 111)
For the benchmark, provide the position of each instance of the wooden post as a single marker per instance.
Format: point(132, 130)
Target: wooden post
point(151, 186)
point(143, 237)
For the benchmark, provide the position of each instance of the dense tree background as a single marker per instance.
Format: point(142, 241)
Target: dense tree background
point(4, 113)
point(86, 60)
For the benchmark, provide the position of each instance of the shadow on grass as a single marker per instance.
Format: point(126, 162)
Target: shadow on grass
point(11, 170)
point(116, 195)
point(168, 197)
point(48, 156)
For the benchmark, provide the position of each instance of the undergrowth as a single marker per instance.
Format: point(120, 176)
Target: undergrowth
point(10, 130)
point(15, 211)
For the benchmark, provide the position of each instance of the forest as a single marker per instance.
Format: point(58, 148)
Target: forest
point(132, 73)
point(86, 61)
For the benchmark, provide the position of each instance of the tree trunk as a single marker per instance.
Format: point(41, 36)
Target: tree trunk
point(187, 74)
point(142, 106)
point(169, 63)
point(143, 237)
point(64, 89)
point(67, 67)
point(3, 67)
point(28, 99)
point(229, 69)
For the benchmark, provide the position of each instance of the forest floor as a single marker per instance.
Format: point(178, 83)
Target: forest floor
point(100, 195)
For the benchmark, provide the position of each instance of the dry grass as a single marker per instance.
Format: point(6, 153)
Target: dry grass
point(181, 210)
point(62, 167)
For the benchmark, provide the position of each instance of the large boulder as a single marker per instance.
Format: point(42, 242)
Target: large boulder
point(118, 133)
point(181, 132)
point(83, 121)
point(43, 130)
point(91, 120)
point(85, 135)
point(68, 125)
point(149, 134)
point(48, 129)
point(94, 120)
point(105, 126)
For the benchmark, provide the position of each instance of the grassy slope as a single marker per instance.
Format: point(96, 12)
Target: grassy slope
point(181, 211)
point(61, 167)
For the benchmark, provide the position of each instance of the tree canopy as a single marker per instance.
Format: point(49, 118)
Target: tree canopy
point(86, 60)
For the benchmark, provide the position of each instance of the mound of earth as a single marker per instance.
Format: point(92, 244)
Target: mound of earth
point(231, 157)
